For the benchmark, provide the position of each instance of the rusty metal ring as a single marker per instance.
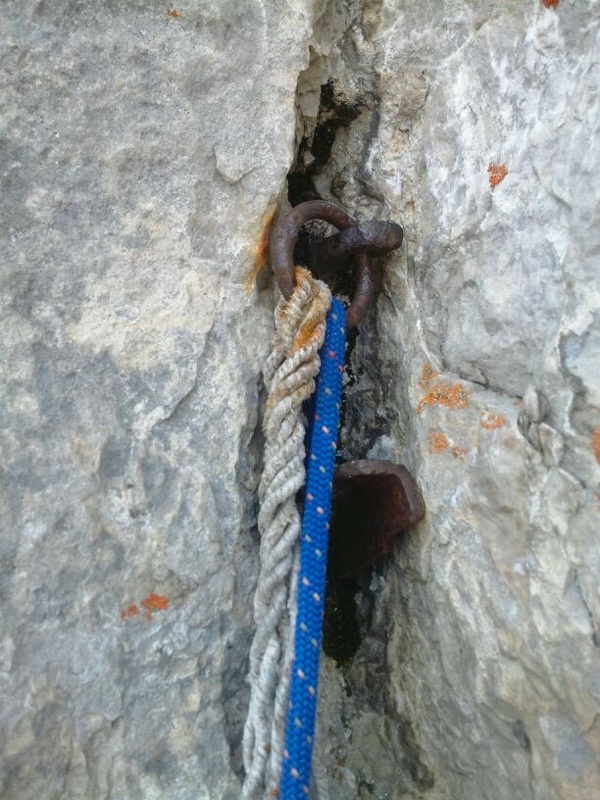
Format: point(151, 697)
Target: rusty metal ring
point(374, 237)
point(285, 236)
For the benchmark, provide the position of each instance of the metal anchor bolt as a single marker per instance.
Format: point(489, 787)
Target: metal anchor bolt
point(372, 502)
point(359, 240)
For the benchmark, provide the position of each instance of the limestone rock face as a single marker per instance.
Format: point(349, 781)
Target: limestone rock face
point(143, 152)
point(145, 149)
point(485, 638)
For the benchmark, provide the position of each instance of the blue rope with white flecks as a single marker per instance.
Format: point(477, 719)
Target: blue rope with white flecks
point(321, 445)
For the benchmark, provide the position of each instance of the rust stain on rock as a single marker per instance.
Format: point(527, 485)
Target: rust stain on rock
point(260, 249)
point(497, 173)
point(596, 444)
point(173, 13)
point(550, 3)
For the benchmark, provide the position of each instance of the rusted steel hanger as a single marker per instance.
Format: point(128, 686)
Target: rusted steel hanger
point(360, 240)
point(372, 500)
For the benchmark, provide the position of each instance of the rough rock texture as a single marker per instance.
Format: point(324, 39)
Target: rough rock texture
point(144, 148)
point(141, 153)
point(480, 671)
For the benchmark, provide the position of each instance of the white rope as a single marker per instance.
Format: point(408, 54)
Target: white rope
point(289, 374)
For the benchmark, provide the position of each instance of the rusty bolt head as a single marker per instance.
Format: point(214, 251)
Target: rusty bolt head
point(372, 502)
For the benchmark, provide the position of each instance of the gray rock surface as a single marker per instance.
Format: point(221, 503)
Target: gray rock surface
point(144, 149)
point(486, 384)
point(142, 152)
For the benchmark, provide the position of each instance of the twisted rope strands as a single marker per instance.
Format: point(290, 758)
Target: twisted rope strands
point(289, 375)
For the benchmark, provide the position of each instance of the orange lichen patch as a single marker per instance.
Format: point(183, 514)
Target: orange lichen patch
point(445, 394)
point(596, 444)
point(260, 249)
point(491, 421)
point(459, 452)
point(497, 174)
point(428, 373)
point(173, 13)
point(438, 442)
point(154, 602)
point(550, 3)
point(130, 611)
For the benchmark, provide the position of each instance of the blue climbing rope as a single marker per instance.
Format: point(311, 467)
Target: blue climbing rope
point(321, 446)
